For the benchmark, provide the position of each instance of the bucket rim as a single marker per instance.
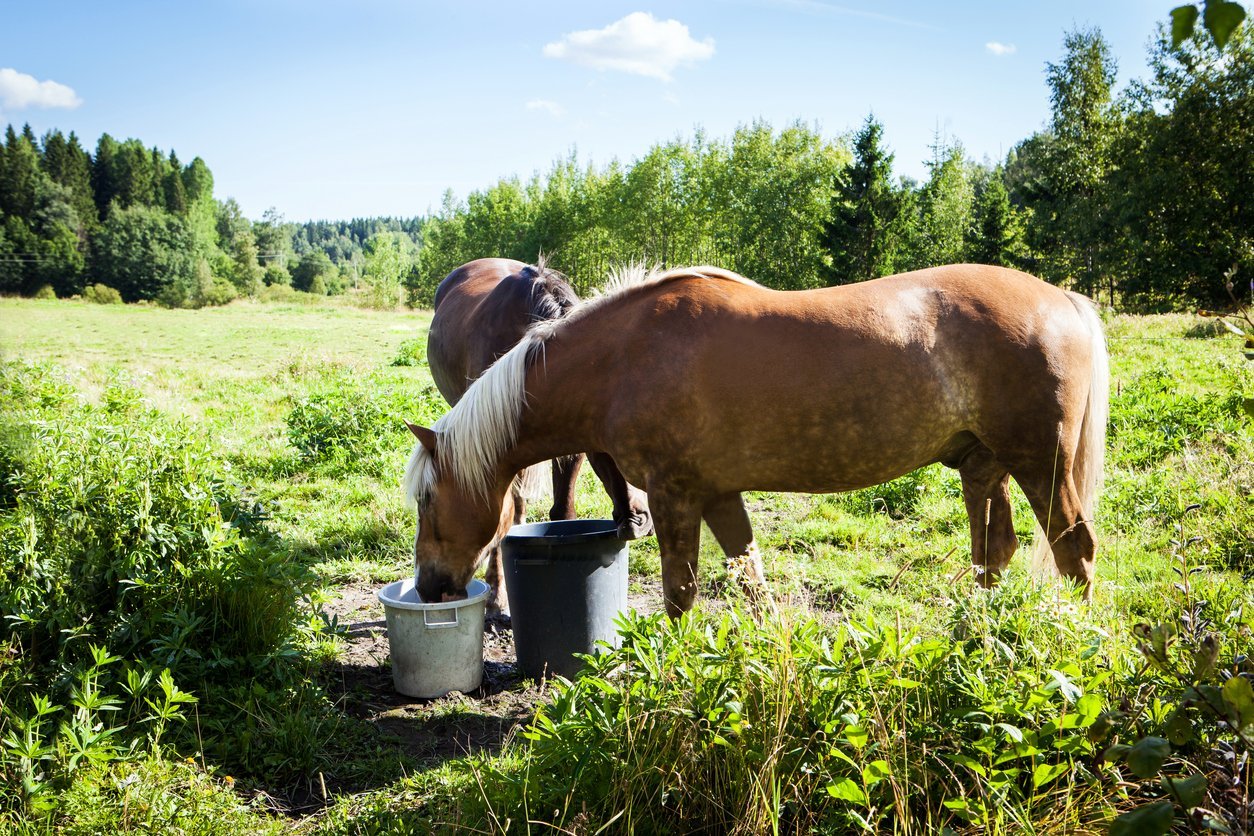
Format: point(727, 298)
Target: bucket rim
point(528, 533)
point(401, 595)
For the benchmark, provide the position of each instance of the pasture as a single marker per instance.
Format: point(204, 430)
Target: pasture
point(887, 696)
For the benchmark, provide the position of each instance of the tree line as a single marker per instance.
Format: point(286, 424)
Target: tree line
point(1144, 197)
point(1140, 196)
point(142, 224)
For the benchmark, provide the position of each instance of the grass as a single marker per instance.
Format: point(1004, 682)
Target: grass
point(861, 570)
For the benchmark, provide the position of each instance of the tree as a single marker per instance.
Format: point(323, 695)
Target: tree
point(1084, 126)
point(390, 257)
point(1186, 189)
point(863, 209)
point(996, 234)
point(145, 253)
point(314, 270)
point(944, 210)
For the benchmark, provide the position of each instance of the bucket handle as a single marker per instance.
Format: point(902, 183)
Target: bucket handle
point(435, 625)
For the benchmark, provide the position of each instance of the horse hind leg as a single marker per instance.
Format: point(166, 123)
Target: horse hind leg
point(1071, 537)
point(729, 523)
point(986, 493)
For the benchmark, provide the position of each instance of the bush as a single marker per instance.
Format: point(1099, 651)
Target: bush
point(756, 726)
point(102, 294)
point(130, 569)
point(411, 353)
point(351, 422)
point(46, 292)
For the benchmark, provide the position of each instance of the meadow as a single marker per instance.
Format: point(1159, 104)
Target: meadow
point(188, 494)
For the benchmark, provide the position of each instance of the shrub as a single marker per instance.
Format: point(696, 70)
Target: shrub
point(411, 353)
point(350, 422)
point(128, 572)
point(46, 292)
point(102, 294)
point(749, 727)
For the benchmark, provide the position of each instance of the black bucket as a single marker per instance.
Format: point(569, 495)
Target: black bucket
point(566, 582)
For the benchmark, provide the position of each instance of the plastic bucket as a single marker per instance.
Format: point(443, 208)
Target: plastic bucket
point(566, 582)
point(436, 648)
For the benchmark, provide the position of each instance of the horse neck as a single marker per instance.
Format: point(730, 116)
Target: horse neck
point(563, 411)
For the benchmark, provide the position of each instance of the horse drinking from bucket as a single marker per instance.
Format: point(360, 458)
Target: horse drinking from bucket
point(702, 384)
point(482, 310)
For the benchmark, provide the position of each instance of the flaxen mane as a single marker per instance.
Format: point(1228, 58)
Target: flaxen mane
point(476, 432)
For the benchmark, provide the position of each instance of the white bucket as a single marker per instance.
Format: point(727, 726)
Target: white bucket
point(436, 648)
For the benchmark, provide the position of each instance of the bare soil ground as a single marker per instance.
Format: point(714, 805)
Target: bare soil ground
point(447, 727)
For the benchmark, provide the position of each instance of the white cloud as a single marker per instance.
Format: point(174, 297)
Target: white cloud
point(639, 44)
point(1000, 49)
point(550, 107)
point(19, 90)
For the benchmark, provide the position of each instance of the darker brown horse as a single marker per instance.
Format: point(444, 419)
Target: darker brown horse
point(702, 384)
point(482, 309)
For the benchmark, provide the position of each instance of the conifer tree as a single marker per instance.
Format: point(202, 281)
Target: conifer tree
point(864, 207)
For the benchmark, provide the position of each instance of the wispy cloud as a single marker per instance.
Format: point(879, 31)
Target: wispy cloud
point(816, 7)
point(639, 44)
point(550, 107)
point(19, 90)
point(999, 49)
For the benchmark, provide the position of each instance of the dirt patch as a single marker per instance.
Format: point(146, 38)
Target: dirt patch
point(446, 727)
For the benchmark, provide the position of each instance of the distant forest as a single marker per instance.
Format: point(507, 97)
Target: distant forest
point(1142, 197)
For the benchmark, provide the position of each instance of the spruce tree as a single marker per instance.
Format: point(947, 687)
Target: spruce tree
point(863, 209)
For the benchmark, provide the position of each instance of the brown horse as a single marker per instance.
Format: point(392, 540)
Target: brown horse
point(482, 310)
point(702, 384)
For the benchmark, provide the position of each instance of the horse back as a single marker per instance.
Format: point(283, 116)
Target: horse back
point(482, 309)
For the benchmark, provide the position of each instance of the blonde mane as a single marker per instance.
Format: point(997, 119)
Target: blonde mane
point(477, 431)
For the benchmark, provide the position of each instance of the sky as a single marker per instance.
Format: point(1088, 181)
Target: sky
point(333, 110)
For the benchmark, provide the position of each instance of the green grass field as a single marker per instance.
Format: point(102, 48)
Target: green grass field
point(303, 405)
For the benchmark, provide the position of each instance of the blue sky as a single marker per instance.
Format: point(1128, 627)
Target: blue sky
point(335, 110)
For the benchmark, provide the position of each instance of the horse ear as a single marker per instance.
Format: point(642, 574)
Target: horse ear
point(426, 436)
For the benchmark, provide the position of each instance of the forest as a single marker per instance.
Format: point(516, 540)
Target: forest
point(1138, 195)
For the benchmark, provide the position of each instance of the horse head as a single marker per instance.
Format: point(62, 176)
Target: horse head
point(457, 526)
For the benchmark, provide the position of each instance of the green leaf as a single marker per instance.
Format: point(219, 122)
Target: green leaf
point(1012, 732)
point(874, 772)
point(1047, 772)
point(1183, 19)
point(1190, 792)
point(1179, 728)
point(1239, 697)
point(846, 790)
point(857, 736)
point(1146, 756)
point(1205, 656)
point(1221, 19)
point(1151, 820)
point(1070, 691)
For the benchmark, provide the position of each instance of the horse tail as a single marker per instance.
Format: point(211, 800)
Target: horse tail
point(1088, 466)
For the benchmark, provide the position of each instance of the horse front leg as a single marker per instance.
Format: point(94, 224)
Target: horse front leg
point(678, 524)
point(494, 575)
point(565, 475)
point(631, 505)
point(986, 493)
point(729, 522)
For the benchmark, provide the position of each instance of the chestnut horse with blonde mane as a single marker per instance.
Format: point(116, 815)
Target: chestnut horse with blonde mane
point(482, 310)
point(702, 384)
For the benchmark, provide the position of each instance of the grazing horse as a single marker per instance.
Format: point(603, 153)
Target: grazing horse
point(702, 384)
point(482, 309)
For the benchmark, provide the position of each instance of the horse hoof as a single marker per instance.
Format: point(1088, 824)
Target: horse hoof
point(635, 527)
